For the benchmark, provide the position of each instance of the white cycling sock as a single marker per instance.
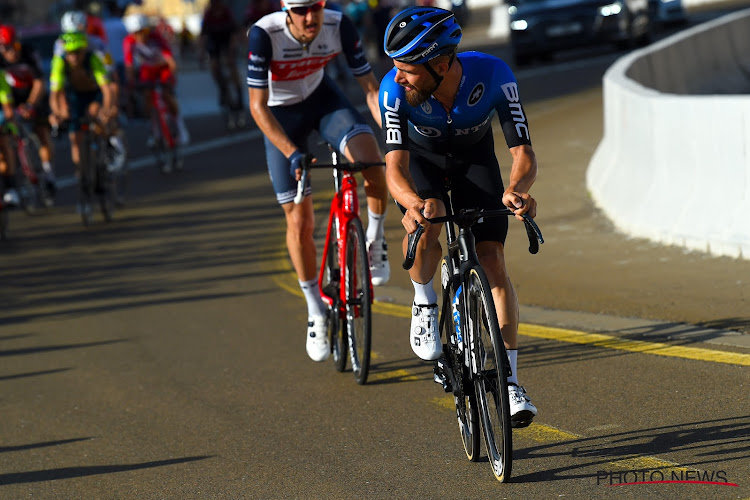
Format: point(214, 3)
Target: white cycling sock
point(513, 358)
point(315, 304)
point(47, 167)
point(424, 294)
point(375, 223)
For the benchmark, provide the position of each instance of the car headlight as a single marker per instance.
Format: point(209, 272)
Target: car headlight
point(512, 9)
point(611, 10)
point(519, 25)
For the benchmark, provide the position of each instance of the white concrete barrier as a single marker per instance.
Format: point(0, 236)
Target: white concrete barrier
point(674, 163)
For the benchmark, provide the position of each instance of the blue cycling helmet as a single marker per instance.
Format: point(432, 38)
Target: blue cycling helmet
point(418, 34)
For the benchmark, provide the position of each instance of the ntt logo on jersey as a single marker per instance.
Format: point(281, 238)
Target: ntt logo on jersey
point(392, 123)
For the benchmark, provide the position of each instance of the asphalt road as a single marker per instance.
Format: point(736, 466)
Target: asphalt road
point(162, 355)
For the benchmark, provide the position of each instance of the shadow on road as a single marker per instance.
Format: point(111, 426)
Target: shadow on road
point(710, 442)
point(82, 471)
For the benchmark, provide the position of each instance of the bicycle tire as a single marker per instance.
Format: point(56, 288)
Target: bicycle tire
point(87, 179)
point(358, 301)
point(34, 194)
point(332, 287)
point(464, 397)
point(105, 191)
point(490, 382)
point(121, 176)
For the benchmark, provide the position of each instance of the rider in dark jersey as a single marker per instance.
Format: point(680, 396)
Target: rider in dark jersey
point(436, 110)
point(24, 75)
point(291, 98)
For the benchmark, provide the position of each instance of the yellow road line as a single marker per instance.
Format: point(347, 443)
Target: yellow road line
point(647, 463)
point(545, 434)
point(401, 375)
point(288, 281)
point(640, 346)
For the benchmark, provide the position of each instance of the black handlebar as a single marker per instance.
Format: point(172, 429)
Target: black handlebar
point(466, 218)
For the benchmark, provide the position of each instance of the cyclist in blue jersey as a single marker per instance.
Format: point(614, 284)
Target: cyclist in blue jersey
point(436, 109)
point(290, 98)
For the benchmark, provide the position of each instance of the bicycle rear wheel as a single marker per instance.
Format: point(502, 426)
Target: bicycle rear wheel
point(490, 381)
point(358, 300)
point(33, 193)
point(120, 177)
point(331, 286)
point(463, 393)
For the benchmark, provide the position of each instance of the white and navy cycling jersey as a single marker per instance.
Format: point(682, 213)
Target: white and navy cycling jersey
point(292, 71)
point(487, 87)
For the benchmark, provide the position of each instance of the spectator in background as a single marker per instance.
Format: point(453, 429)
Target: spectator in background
point(94, 24)
point(257, 9)
point(218, 42)
point(115, 34)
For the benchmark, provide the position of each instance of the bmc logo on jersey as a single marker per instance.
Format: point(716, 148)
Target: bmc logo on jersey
point(476, 94)
point(511, 93)
point(392, 122)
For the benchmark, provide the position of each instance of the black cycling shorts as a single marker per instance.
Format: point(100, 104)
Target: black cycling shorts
point(473, 177)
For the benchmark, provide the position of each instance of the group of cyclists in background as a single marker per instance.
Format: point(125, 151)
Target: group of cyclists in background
point(86, 84)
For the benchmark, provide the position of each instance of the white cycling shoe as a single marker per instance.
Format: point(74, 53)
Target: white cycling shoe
point(424, 336)
point(318, 347)
point(380, 269)
point(522, 410)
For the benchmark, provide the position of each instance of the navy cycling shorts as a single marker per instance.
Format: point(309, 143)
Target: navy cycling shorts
point(473, 175)
point(78, 105)
point(326, 111)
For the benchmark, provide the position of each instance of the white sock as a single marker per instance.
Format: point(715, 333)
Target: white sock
point(513, 358)
point(424, 294)
point(375, 223)
point(315, 304)
point(47, 167)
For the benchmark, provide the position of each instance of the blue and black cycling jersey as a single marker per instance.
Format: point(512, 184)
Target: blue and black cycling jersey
point(487, 87)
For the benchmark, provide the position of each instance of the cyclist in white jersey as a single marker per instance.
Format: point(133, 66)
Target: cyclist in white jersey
point(290, 97)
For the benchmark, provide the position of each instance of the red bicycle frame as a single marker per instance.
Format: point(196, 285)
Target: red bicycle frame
point(344, 208)
point(159, 107)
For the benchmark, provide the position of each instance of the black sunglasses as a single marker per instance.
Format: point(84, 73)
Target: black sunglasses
point(302, 11)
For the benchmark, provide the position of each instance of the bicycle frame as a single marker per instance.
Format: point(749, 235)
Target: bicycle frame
point(159, 108)
point(344, 208)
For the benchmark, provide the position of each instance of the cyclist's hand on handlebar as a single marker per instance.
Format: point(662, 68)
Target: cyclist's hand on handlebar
point(298, 161)
point(417, 215)
point(520, 203)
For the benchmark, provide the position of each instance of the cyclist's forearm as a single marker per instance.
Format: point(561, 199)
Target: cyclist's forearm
point(37, 89)
point(399, 181)
point(370, 87)
point(271, 128)
point(524, 169)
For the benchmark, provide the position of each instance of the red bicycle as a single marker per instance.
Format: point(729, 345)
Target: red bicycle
point(34, 189)
point(166, 147)
point(344, 280)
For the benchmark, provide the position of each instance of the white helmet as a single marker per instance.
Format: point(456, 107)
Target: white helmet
point(288, 4)
point(73, 21)
point(135, 22)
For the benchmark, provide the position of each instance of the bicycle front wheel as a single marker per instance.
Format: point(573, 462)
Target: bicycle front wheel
point(358, 300)
point(331, 286)
point(490, 379)
point(463, 391)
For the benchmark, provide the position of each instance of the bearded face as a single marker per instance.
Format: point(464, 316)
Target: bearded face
point(416, 95)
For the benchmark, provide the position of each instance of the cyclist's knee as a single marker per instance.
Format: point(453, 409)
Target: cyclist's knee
point(490, 254)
